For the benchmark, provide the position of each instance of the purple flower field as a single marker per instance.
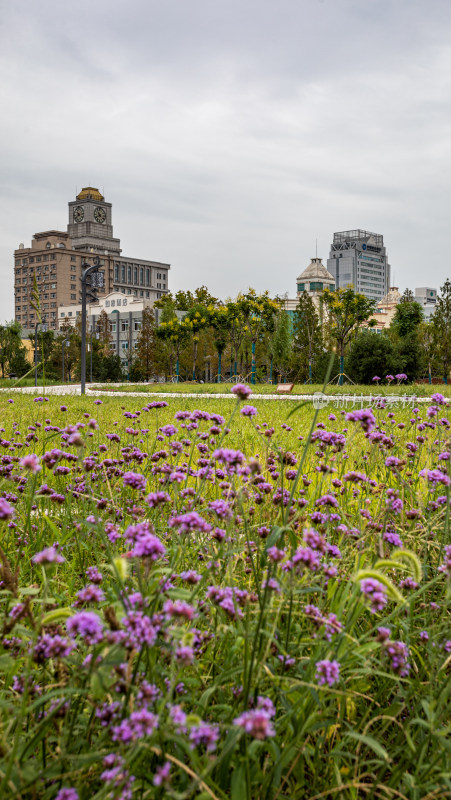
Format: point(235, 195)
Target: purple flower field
point(231, 601)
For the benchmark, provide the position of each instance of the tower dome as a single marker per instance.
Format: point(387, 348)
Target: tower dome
point(90, 193)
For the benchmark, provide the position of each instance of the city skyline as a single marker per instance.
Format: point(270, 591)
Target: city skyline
point(231, 137)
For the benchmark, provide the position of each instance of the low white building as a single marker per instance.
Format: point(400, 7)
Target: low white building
point(125, 317)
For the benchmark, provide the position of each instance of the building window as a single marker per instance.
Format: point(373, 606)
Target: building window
point(31, 260)
point(124, 325)
point(147, 277)
point(73, 258)
point(123, 273)
point(141, 276)
point(53, 285)
point(73, 297)
point(73, 268)
point(113, 327)
point(116, 272)
point(129, 274)
point(147, 294)
point(73, 287)
point(38, 258)
point(137, 324)
point(141, 293)
point(52, 305)
point(135, 275)
point(124, 345)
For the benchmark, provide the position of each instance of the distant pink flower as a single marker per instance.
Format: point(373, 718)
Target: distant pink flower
point(49, 555)
point(31, 463)
point(241, 391)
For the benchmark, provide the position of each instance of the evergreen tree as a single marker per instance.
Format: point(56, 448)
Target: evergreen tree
point(13, 354)
point(280, 345)
point(371, 354)
point(441, 328)
point(405, 333)
point(308, 338)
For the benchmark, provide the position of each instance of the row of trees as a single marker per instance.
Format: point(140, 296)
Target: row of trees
point(201, 338)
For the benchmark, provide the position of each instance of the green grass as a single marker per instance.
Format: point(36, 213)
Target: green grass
point(374, 733)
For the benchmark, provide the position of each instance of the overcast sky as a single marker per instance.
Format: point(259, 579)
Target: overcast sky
point(229, 135)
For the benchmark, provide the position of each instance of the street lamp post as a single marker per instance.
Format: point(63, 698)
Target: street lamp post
point(63, 345)
point(96, 282)
point(43, 329)
point(95, 336)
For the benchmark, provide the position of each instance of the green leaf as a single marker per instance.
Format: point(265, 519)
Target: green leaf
point(370, 742)
point(239, 787)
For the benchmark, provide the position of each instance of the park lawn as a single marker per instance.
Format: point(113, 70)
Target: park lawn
point(198, 601)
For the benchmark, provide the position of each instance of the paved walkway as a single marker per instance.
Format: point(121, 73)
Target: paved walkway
point(318, 399)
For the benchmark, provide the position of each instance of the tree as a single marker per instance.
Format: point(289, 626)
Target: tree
point(145, 345)
point(408, 315)
point(220, 323)
point(280, 344)
point(196, 320)
point(346, 311)
point(176, 335)
point(308, 338)
point(104, 333)
point(12, 352)
point(441, 328)
point(405, 333)
point(371, 354)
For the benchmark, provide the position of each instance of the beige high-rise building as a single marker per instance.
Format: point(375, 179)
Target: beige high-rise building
point(55, 259)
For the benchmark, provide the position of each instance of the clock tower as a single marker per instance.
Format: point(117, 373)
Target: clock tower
point(90, 227)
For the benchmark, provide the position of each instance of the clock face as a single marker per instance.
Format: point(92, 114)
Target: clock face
point(78, 214)
point(99, 214)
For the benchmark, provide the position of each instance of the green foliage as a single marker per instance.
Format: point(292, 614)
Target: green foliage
point(371, 354)
point(441, 328)
point(12, 352)
point(407, 317)
point(346, 311)
point(280, 345)
point(144, 355)
point(307, 337)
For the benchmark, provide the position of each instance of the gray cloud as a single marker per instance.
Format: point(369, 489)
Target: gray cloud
point(229, 136)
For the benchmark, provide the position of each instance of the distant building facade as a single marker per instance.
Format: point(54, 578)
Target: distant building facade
point(313, 280)
point(125, 317)
point(385, 310)
point(359, 259)
point(55, 259)
point(426, 296)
